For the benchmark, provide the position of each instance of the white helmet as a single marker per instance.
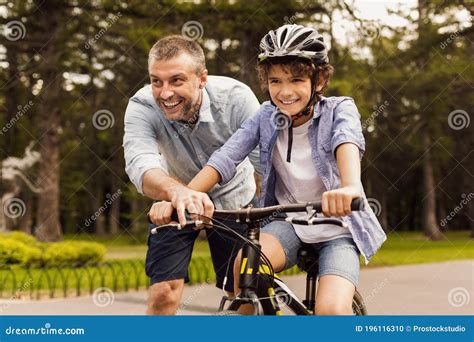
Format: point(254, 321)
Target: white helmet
point(294, 40)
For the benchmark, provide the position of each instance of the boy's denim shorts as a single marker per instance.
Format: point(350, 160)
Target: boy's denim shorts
point(338, 257)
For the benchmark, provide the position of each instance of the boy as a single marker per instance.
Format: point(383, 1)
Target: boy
point(310, 149)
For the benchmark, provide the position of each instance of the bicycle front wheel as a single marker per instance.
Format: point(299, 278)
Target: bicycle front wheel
point(228, 313)
point(358, 305)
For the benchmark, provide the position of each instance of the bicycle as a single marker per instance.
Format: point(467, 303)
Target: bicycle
point(259, 284)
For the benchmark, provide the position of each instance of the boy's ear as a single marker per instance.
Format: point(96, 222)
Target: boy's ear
point(321, 82)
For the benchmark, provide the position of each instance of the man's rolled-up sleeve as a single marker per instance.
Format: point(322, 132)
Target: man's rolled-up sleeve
point(140, 143)
point(347, 127)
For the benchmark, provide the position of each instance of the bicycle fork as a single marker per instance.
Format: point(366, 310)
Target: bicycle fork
point(251, 283)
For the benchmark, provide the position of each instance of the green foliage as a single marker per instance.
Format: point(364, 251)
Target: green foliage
point(27, 239)
point(72, 253)
point(14, 252)
point(23, 250)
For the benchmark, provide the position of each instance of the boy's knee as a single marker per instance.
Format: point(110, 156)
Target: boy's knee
point(326, 309)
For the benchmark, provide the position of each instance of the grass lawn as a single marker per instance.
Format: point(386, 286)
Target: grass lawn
point(413, 248)
point(399, 249)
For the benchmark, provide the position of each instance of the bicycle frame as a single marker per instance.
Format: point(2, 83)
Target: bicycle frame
point(258, 287)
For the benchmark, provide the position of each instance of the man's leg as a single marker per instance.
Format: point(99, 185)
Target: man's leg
point(164, 297)
point(224, 247)
point(167, 262)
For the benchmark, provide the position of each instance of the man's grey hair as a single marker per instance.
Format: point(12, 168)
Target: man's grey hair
point(172, 46)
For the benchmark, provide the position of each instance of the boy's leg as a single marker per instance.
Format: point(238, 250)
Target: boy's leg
point(334, 296)
point(338, 276)
point(167, 262)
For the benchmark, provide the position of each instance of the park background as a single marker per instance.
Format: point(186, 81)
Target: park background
point(71, 220)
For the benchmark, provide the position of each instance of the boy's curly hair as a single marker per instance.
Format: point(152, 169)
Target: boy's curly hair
point(297, 67)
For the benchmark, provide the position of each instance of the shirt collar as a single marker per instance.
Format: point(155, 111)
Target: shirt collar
point(318, 108)
point(205, 114)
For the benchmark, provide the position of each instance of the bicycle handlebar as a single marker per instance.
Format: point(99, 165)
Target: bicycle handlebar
point(254, 214)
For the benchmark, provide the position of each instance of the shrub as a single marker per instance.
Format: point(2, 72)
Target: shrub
point(18, 248)
point(13, 252)
point(27, 239)
point(72, 253)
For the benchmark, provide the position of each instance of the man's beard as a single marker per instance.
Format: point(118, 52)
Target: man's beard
point(189, 113)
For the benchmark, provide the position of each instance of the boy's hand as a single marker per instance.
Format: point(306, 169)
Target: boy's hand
point(338, 202)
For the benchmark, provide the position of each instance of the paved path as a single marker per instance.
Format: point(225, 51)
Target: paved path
point(424, 289)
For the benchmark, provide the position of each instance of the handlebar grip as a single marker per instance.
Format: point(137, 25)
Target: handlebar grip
point(357, 204)
point(174, 215)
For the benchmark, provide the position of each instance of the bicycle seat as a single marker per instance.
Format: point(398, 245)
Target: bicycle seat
point(308, 260)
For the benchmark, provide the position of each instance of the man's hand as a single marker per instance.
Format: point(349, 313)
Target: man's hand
point(338, 202)
point(160, 213)
point(196, 203)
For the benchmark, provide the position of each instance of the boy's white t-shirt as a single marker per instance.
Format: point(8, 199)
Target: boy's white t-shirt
point(299, 182)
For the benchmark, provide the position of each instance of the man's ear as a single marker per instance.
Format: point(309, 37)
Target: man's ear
point(203, 79)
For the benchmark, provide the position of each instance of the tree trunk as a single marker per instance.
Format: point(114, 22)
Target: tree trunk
point(26, 221)
point(99, 222)
point(11, 101)
point(430, 223)
point(49, 227)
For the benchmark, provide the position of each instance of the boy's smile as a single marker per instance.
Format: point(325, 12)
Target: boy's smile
point(291, 93)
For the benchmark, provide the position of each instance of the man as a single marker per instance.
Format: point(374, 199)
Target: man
point(171, 129)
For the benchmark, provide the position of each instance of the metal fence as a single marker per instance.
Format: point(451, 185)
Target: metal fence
point(117, 275)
